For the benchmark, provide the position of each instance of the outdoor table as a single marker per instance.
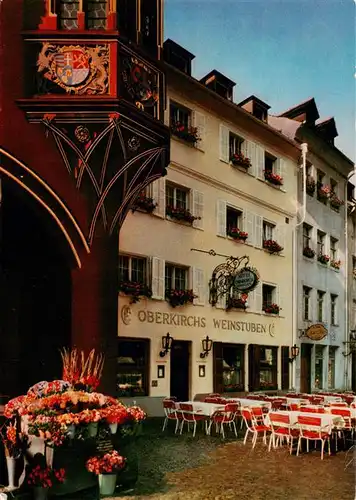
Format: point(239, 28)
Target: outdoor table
point(326, 418)
point(332, 399)
point(203, 408)
point(291, 400)
point(251, 402)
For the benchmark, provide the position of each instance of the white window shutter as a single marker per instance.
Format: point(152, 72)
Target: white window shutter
point(224, 143)
point(281, 236)
point(251, 301)
point(198, 285)
point(258, 298)
point(166, 113)
point(249, 226)
point(301, 304)
point(157, 274)
point(314, 305)
point(327, 244)
point(281, 170)
point(159, 196)
point(260, 162)
point(221, 218)
point(221, 302)
point(197, 198)
point(258, 231)
point(251, 154)
point(199, 121)
point(277, 296)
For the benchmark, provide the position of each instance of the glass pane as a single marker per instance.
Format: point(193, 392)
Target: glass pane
point(331, 369)
point(131, 367)
point(68, 10)
point(181, 198)
point(180, 278)
point(124, 273)
point(232, 368)
point(138, 270)
point(168, 277)
point(169, 196)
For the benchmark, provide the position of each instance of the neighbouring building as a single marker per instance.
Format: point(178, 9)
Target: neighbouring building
point(350, 342)
point(321, 251)
point(231, 190)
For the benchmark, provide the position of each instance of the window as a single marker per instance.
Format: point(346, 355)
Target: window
point(319, 185)
point(132, 269)
point(268, 230)
point(306, 302)
point(307, 230)
point(96, 14)
point(321, 242)
point(180, 114)
point(132, 367)
point(233, 367)
point(350, 191)
point(233, 219)
point(333, 186)
point(68, 11)
point(320, 304)
point(269, 163)
point(331, 367)
point(175, 277)
point(309, 170)
point(235, 143)
point(333, 309)
point(176, 197)
point(319, 355)
point(333, 248)
point(268, 295)
point(268, 368)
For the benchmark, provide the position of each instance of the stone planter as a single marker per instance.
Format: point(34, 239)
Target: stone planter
point(11, 466)
point(107, 483)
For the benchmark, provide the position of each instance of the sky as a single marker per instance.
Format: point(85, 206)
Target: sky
point(282, 51)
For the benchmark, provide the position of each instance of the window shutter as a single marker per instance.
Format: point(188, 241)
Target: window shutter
point(258, 231)
point(221, 218)
point(253, 367)
point(314, 305)
point(327, 244)
point(251, 154)
point(167, 118)
point(157, 273)
point(199, 121)
point(159, 196)
point(301, 304)
point(314, 241)
point(260, 162)
point(277, 297)
point(281, 236)
point(197, 198)
point(281, 170)
point(221, 302)
point(285, 367)
point(198, 285)
point(224, 143)
point(251, 301)
point(249, 226)
point(258, 298)
point(218, 367)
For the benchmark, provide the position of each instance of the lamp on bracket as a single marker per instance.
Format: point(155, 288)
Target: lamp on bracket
point(294, 353)
point(207, 344)
point(166, 345)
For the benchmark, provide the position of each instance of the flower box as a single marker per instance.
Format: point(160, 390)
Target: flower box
point(233, 388)
point(180, 297)
point(272, 246)
point(335, 202)
point(145, 203)
point(237, 234)
point(181, 214)
point(336, 264)
point(271, 308)
point(234, 303)
point(323, 259)
point(240, 160)
point(309, 252)
point(188, 134)
point(135, 290)
point(323, 192)
point(310, 185)
point(275, 179)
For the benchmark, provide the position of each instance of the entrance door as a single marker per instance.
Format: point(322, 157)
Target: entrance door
point(180, 369)
point(305, 368)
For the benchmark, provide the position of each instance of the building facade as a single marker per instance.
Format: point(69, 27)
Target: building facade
point(231, 190)
point(321, 251)
point(350, 345)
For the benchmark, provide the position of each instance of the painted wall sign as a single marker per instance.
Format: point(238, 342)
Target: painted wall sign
point(246, 280)
point(316, 332)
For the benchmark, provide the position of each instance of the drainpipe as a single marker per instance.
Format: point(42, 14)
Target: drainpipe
point(304, 149)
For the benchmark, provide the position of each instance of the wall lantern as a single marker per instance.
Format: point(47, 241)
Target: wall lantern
point(294, 352)
point(207, 345)
point(166, 345)
point(351, 344)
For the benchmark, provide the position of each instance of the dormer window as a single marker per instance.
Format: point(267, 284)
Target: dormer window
point(259, 113)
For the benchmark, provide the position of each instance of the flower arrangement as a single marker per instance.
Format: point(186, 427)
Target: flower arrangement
point(145, 203)
point(323, 192)
point(273, 178)
point(45, 477)
point(310, 185)
point(271, 308)
point(110, 463)
point(308, 252)
point(237, 234)
point(336, 264)
point(11, 440)
point(135, 290)
point(237, 302)
point(323, 259)
point(187, 133)
point(272, 246)
point(240, 160)
point(181, 214)
point(335, 202)
point(136, 413)
point(82, 373)
point(180, 297)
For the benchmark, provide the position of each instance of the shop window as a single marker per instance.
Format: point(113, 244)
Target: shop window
point(235, 144)
point(176, 277)
point(319, 364)
point(132, 367)
point(333, 309)
point(306, 303)
point(320, 305)
point(133, 269)
point(228, 367)
point(331, 367)
point(262, 367)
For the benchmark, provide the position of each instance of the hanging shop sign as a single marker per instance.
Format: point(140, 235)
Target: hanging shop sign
point(316, 332)
point(246, 280)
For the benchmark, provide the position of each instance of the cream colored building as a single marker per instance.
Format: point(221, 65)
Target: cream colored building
point(251, 347)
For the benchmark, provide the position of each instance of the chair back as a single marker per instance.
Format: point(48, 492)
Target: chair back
point(277, 403)
point(169, 404)
point(345, 413)
point(308, 425)
point(312, 409)
point(339, 405)
point(281, 419)
point(294, 406)
point(232, 408)
point(257, 412)
point(185, 406)
point(210, 399)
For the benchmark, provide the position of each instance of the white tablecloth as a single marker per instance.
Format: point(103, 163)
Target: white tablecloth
point(204, 408)
point(296, 400)
point(251, 402)
point(326, 418)
point(332, 399)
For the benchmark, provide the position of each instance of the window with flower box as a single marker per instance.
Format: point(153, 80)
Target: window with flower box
point(238, 151)
point(234, 224)
point(321, 243)
point(182, 121)
point(132, 367)
point(271, 173)
point(176, 277)
point(307, 237)
point(320, 305)
point(262, 367)
point(322, 189)
point(333, 248)
point(268, 230)
point(133, 277)
point(270, 299)
point(306, 303)
point(333, 309)
point(235, 144)
point(177, 204)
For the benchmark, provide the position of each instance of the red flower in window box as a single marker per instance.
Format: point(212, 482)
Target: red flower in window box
point(240, 160)
point(324, 192)
point(181, 214)
point(237, 302)
point(145, 203)
point(233, 388)
point(323, 259)
point(335, 202)
point(336, 264)
point(271, 308)
point(275, 179)
point(180, 297)
point(309, 252)
point(188, 134)
point(272, 246)
point(237, 234)
point(135, 290)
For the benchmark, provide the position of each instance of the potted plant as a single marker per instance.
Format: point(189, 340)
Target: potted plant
point(336, 264)
point(308, 252)
point(335, 202)
point(310, 185)
point(323, 259)
point(135, 290)
point(240, 160)
point(106, 468)
point(237, 302)
point(271, 308)
point(181, 214)
point(237, 234)
point(42, 477)
point(323, 192)
point(144, 202)
point(273, 178)
point(272, 246)
point(180, 297)
point(185, 132)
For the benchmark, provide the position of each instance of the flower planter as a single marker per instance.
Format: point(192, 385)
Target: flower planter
point(93, 429)
point(323, 259)
point(180, 297)
point(237, 235)
point(11, 466)
point(181, 214)
point(274, 179)
point(40, 493)
point(145, 203)
point(272, 309)
point(335, 264)
point(239, 160)
point(113, 428)
point(309, 252)
point(336, 203)
point(107, 483)
point(135, 290)
point(236, 304)
point(272, 246)
point(187, 134)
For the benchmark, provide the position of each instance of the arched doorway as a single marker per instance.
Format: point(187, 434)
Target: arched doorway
point(35, 288)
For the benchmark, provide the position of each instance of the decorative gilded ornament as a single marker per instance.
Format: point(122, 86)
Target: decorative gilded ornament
point(82, 134)
point(133, 143)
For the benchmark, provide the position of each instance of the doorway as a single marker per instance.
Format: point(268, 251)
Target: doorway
point(180, 369)
point(305, 368)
